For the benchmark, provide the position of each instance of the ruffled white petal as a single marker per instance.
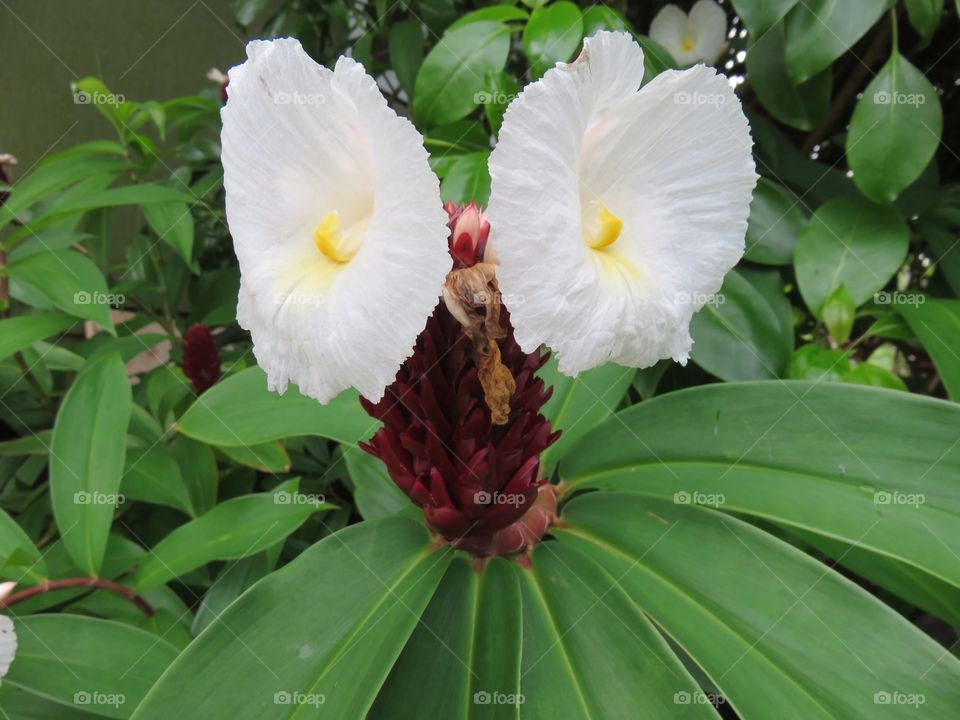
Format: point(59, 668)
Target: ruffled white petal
point(697, 37)
point(301, 141)
point(672, 161)
point(8, 644)
point(708, 27)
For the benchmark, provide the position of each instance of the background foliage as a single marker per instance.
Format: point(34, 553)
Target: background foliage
point(733, 543)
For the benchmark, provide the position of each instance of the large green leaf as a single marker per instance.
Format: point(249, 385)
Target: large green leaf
point(242, 411)
point(406, 52)
point(578, 403)
point(19, 557)
point(802, 105)
point(761, 15)
point(925, 16)
point(19, 333)
point(852, 242)
point(173, 223)
point(467, 179)
point(894, 131)
point(324, 630)
point(101, 666)
point(760, 617)
point(66, 280)
point(552, 35)
point(452, 74)
point(374, 492)
point(152, 475)
point(937, 324)
point(738, 336)
point(820, 31)
point(87, 457)
point(776, 218)
point(231, 530)
point(831, 459)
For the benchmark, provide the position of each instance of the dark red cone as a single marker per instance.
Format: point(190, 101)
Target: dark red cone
point(472, 478)
point(201, 357)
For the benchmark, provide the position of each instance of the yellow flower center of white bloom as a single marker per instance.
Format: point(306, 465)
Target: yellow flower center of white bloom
point(602, 228)
point(336, 244)
point(687, 43)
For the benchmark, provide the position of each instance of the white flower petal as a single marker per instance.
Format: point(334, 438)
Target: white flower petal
point(672, 161)
point(301, 142)
point(708, 28)
point(8, 644)
point(669, 28)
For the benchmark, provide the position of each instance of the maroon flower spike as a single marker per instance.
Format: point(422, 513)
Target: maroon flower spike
point(201, 358)
point(462, 430)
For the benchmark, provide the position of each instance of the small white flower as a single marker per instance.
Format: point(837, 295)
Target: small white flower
point(336, 220)
point(616, 211)
point(8, 644)
point(697, 37)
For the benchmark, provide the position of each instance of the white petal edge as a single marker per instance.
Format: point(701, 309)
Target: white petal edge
point(300, 140)
point(673, 160)
point(8, 644)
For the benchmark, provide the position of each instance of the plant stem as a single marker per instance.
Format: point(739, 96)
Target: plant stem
point(94, 582)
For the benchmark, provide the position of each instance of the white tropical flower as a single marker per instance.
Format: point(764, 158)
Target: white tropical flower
point(616, 211)
point(697, 37)
point(336, 220)
point(8, 644)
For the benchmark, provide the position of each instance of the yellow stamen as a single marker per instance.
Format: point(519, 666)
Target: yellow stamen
point(608, 228)
point(334, 244)
point(687, 43)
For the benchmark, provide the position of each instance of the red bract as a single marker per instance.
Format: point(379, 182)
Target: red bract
point(474, 478)
point(201, 357)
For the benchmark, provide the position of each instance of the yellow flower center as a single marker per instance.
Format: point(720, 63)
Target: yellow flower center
point(605, 228)
point(337, 245)
point(687, 43)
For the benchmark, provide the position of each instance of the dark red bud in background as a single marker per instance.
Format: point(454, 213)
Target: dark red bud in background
point(201, 357)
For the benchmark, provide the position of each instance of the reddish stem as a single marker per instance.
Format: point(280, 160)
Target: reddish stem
point(94, 582)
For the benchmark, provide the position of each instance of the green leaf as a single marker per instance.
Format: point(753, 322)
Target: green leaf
point(270, 457)
point(937, 324)
point(656, 58)
point(87, 458)
point(467, 179)
point(812, 362)
point(829, 458)
point(895, 130)
point(603, 17)
point(245, 11)
point(152, 475)
point(738, 336)
point(406, 52)
point(758, 616)
point(375, 494)
point(37, 443)
point(232, 530)
point(453, 72)
point(925, 17)
point(19, 557)
point(552, 35)
point(820, 31)
point(867, 374)
point(336, 653)
point(776, 218)
point(99, 665)
point(801, 105)
point(231, 582)
point(198, 467)
point(68, 281)
point(496, 13)
point(761, 15)
point(849, 241)
point(838, 313)
point(501, 89)
point(579, 403)
point(19, 333)
point(241, 411)
point(173, 223)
